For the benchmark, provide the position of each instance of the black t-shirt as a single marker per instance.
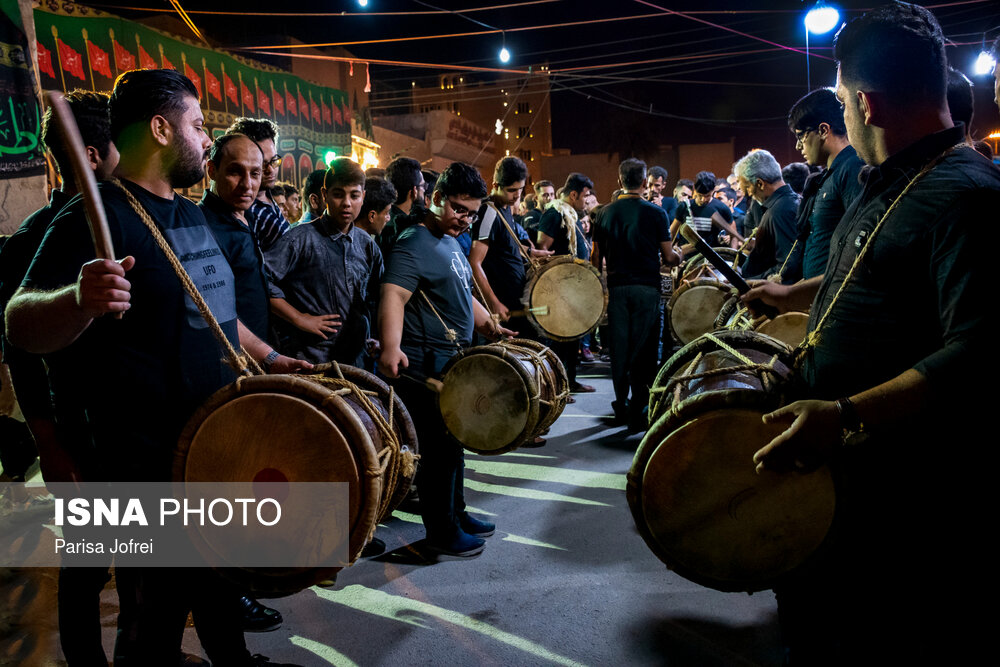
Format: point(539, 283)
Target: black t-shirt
point(503, 265)
point(669, 205)
point(240, 247)
point(628, 233)
point(435, 266)
point(127, 387)
point(701, 216)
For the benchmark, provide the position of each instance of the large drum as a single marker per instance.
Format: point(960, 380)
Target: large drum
point(565, 298)
point(693, 489)
point(496, 397)
point(342, 426)
point(694, 306)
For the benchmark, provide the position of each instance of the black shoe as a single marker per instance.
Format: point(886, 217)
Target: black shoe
point(476, 527)
point(257, 617)
point(374, 548)
point(462, 545)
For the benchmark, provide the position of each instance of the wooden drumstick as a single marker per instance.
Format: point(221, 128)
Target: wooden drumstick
point(729, 272)
point(537, 310)
point(87, 184)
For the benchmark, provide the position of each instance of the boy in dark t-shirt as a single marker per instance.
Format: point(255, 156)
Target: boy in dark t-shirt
point(703, 213)
point(415, 342)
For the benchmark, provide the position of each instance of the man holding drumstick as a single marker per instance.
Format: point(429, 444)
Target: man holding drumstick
point(896, 321)
point(426, 314)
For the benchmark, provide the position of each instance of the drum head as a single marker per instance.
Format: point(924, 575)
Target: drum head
point(488, 403)
point(279, 428)
point(706, 513)
point(789, 328)
point(694, 307)
point(574, 295)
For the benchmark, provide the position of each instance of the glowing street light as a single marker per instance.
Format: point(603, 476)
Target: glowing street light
point(984, 64)
point(822, 18)
point(362, 3)
point(504, 55)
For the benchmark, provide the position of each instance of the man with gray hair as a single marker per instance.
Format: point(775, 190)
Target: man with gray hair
point(759, 175)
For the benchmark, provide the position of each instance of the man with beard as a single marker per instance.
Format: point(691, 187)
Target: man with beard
point(124, 388)
point(896, 325)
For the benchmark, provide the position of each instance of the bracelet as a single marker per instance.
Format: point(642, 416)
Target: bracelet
point(271, 357)
point(849, 418)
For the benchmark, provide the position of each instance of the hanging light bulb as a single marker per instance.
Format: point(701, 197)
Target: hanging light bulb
point(504, 52)
point(822, 18)
point(984, 63)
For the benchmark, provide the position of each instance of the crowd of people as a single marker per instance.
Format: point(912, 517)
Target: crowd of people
point(395, 270)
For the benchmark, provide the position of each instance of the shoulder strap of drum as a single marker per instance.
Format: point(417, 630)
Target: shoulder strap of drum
point(517, 242)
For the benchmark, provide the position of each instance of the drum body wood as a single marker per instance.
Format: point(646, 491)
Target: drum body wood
point(693, 489)
point(694, 307)
point(565, 298)
point(287, 428)
point(496, 397)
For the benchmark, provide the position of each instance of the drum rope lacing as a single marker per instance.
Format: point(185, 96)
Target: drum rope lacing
point(241, 362)
point(762, 371)
point(525, 347)
point(449, 333)
point(812, 339)
point(393, 458)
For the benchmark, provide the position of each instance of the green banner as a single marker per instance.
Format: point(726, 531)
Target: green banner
point(79, 47)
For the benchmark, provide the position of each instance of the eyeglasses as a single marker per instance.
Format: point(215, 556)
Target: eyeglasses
point(463, 213)
point(800, 136)
point(273, 162)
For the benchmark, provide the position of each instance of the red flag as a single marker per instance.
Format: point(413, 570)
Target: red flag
point(336, 113)
point(327, 116)
point(347, 113)
point(72, 61)
point(290, 99)
point(279, 102)
point(124, 60)
point(304, 106)
point(45, 60)
point(145, 60)
point(263, 103)
point(169, 65)
point(100, 62)
point(195, 79)
point(247, 96)
point(214, 89)
point(315, 110)
point(231, 91)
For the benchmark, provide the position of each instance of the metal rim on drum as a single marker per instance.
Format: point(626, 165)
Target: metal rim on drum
point(693, 490)
point(558, 312)
point(553, 401)
point(688, 321)
point(242, 433)
point(489, 400)
point(734, 315)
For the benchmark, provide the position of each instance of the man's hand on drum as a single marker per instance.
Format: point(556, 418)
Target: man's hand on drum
point(392, 361)
point(501, 311)
point(285, 364)
point(813, 432)
point(102, 288)
point(769, 293)
point(320, 325)
point(540, 252)
point(492, 330)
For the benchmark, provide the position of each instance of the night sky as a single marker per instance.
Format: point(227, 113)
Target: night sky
point(687, 78)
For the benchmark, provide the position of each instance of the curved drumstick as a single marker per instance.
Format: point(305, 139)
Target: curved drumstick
point(87, 184)
point(737, 281)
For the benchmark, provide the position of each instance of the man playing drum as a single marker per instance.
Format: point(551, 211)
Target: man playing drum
point(427, 314)
point(123, 389)
point(897, 323)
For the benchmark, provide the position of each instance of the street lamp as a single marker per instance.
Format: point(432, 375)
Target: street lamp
point(819, 20)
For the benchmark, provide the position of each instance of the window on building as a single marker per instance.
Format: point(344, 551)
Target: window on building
point(522, 132)
point(524, 107)
point(525, 155)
